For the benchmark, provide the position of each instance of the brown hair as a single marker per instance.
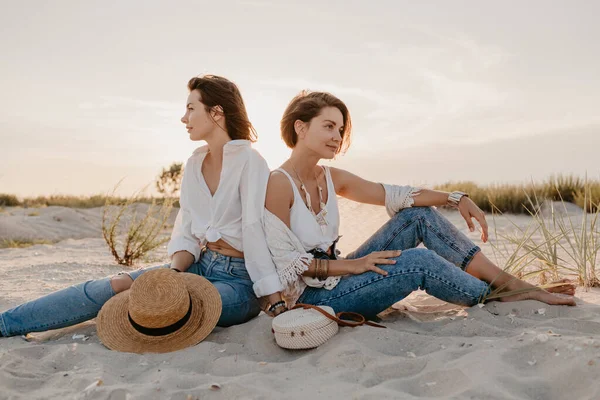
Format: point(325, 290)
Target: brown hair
point(218, 91)
point(307, 105)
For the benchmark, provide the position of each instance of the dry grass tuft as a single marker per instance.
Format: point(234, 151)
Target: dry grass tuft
point(131, 235)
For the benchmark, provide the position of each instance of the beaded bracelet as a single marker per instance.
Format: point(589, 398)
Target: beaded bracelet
point(275, 306)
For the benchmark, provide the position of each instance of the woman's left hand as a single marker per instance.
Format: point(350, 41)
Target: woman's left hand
point(469, 210)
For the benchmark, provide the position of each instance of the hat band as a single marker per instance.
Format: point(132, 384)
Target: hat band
point(165, 330)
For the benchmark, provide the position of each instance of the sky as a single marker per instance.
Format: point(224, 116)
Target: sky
point(92, 92)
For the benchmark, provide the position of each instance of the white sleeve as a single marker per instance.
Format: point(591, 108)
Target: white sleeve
point(181, 237)
point(399, 197)
point(253, 189)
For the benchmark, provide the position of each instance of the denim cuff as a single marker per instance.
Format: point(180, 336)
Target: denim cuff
point(3, 328)
point(469, 257)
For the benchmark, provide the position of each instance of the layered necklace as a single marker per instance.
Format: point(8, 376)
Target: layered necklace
point(320, 217)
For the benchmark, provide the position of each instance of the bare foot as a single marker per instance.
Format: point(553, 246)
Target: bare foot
point(544, 297)
point(568, 287)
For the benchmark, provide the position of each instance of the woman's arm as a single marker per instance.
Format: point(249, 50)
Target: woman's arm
point(182, 260)
point(257, 258)
point(361, 190)
point(279, 199)
point(183, 247)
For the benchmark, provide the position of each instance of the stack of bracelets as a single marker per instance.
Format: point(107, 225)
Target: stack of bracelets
point(321, 268)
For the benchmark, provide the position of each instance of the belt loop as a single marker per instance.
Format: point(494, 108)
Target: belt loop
point(228, 265)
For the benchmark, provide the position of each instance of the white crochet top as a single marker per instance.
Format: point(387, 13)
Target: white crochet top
point(290, 253)
point(291, 260)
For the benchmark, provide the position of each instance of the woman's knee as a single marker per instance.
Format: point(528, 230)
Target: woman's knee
point(121, 282)
point(416, 260)
point(417, 255)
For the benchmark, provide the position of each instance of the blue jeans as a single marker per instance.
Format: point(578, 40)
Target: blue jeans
point(439, 269)
point(82, 302)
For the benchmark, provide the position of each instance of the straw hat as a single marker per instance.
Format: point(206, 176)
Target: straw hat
point(163, 311)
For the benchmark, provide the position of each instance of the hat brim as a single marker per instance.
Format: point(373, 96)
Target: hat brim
point(116, 332)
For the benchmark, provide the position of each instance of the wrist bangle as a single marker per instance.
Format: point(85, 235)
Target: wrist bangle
point(454, 198)
point(323, 269)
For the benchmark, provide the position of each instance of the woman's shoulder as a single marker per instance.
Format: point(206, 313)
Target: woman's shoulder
point(198, 154)
point(279, 186)
point(277, 178)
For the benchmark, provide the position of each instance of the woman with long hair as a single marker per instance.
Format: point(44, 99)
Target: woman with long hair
point(218, 232)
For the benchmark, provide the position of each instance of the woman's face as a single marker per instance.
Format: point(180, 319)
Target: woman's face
point(197, 120)
point(323, 133)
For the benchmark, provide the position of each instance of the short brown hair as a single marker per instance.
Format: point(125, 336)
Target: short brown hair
point(307, 105)
point(218, 91)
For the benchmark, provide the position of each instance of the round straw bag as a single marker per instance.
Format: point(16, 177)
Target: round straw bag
point(304, 328)
point(307, 326)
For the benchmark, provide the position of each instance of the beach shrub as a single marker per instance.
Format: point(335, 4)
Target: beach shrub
point(131, 234)
point(168, 182)
point(9, 200)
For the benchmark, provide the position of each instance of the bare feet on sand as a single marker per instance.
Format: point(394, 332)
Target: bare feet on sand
point(559, 297)
point(567, 288)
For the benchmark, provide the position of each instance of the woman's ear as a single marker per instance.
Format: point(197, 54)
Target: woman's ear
point(217, 113)
point(300, 128)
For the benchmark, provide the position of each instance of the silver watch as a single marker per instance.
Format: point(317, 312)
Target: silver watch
point(454, 199)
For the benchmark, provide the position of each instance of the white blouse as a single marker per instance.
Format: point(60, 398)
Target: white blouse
point(233, 214)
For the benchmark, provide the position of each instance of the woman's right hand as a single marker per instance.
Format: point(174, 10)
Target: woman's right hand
point(369, 262)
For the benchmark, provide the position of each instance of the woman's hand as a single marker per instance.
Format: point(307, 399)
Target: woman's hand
point(469, 210)
point(370, 261)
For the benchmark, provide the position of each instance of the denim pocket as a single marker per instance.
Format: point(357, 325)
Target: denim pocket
point(237, 268)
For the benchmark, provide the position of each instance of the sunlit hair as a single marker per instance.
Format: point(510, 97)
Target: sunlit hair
point(218, 91)
point(307, 105)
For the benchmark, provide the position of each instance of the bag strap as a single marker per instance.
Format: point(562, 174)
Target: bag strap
point(351, 319)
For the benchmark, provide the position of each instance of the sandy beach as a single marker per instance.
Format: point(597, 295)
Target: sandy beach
point(430, 349)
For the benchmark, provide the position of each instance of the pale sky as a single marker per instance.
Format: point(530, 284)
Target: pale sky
point(92, 92)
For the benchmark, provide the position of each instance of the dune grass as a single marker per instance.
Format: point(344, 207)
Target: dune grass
point(98, 200)
point(21, 243)
point(515, 198)
point(556, 244)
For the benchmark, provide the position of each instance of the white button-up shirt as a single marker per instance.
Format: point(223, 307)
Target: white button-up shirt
point(234, 213)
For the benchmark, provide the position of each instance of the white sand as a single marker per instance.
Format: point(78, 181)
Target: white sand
point(429, 350)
